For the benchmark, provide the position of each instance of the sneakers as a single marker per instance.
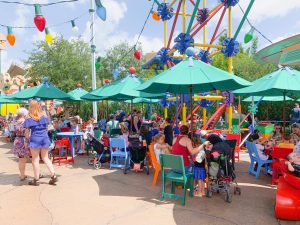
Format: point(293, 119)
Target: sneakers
point(270, 172)
point(53, 180)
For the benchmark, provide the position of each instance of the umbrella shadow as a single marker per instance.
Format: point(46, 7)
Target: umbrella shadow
point(257, 198)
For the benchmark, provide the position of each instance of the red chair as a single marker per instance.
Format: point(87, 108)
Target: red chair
point(287, 204)
point(65, 129)
point(61, 151)
point(236, 137)
point(277, 154)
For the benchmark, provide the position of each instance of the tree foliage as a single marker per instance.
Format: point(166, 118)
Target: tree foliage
point(64, 62)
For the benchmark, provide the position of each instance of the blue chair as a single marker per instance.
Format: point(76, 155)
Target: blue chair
point(119, 155)
point(254, 157)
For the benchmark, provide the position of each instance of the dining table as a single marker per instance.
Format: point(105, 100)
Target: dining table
point(72, 136)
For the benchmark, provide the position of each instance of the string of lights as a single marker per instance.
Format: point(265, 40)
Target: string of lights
point(42, 4)
point(264, 36)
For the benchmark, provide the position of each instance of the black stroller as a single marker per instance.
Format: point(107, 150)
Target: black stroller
point(102, 153)
point(138, 154)
point(221, 171)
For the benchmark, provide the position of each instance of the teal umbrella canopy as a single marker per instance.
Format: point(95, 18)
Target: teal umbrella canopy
point(6, 99)
point(95, 95)
point(124, 89)
point(142, 100)
point(77, 93)
point(44, 91)
point(283, 82)
point(268, 99)
point(186, 78)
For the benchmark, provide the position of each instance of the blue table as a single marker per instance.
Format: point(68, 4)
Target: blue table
point(72, 137)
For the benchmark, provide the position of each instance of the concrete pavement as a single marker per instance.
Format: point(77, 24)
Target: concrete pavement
point(85, 196)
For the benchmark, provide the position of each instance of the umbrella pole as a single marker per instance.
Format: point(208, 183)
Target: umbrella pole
point(191, 108)
point(131, 118)
point(102, 109)
point(106, 108)
point(253, 122)
point(176, 113)
point(284, 97)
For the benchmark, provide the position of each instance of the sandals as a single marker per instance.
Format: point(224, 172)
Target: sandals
point(53, 180)
point(23, 178)
point(34, 182)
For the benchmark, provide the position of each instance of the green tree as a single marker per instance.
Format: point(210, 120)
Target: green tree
point(64, 62)
point(121, 56)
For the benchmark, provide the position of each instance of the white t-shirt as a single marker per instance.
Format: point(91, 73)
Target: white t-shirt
point(297, 149)
point(157, 151)
point(260, 149)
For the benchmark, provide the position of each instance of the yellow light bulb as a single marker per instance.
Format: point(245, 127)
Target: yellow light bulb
point(49, 38)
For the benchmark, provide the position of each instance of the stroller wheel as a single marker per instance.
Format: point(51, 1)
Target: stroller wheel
point(228, 197)
point(125, 171)
point(209, 193)
point(237, 190)
point(97, 165)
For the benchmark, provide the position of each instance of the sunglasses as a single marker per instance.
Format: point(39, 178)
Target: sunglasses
point(278, 128)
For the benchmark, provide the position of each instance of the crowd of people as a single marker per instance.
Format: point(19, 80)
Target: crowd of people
point(35, 131)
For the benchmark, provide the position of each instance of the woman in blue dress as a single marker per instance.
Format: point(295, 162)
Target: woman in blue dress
point(39, 142)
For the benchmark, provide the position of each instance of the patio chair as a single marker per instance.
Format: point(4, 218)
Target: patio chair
point(278, 153)
point(180, 177)
point(155, 164)
point(120, 156)
point(65, 129)
point(61, 151)
point(115, 132)
point(97, 134)
point(254, 157)
point(237, 149)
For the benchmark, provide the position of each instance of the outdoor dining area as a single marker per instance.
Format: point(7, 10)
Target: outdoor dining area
point(128, 140)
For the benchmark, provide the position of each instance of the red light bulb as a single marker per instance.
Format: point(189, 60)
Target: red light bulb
point(39, 19)
point(137, 55)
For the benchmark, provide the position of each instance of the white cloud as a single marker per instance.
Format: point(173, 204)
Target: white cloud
point(22, 13)
point(266, 9)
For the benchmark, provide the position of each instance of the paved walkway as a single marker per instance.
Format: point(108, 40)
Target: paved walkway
point(85, 196)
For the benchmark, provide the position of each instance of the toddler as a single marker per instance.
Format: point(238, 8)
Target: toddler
point(160, 147)
point(293, 163)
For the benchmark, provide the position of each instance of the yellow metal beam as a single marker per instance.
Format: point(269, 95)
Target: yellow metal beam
point(172, 3)
point(187, 14)
point(208, 45)
point(230, 64)
point(207, 97)
point(204, 28)
point(214, 53)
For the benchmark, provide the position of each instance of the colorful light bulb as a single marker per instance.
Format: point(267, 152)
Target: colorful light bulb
point(48, 37)
point(155, 16)
point(74, 27)
point(100, 10)
point(98, 63)
point(249, 36)
point(137, 54)
point(39, 19)
point(10, 36)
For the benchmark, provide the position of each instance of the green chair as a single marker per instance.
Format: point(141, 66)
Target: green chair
point(115, 132)
point(97, 134)
point(169, 164)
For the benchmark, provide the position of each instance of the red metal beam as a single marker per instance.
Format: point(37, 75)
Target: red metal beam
point(208, 19)
point(216, 115)
point(217, 28)
point(174, 24)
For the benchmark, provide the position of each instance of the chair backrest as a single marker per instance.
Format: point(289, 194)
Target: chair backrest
point(115, 131)
point(170, 161)
point(280, 153)
point(65, 129)
point(153, 158)
point(97, 134)
point(236, 137)
point(66, 142)
point(252, 150)
point(118, 143)
point(232, 145)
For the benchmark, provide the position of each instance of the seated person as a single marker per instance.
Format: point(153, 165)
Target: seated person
point(168, 132)
point(276, 135)
point(286, 142)
point(260, 148)
point(146, 134)
point(293, 163)
point(295, 134)
point(112, 123)
point(155, 129)
point(125, 132)
point(160, 147)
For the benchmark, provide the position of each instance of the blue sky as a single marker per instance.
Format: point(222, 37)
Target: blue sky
point(125, 19)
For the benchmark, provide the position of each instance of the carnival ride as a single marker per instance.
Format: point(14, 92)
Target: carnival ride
point(176, 49)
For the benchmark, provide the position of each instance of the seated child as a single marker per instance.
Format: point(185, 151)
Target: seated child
point(286, 142)
point(293, 163)
point(160, 147)
point(155, 129)
point(260, 148)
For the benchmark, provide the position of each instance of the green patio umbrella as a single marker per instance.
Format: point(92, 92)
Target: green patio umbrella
point(77, 93)
point(5, 99)
point(283, 82)
point(44, 91)
point(143, 100)
point(185, 78)
point(124, 89)
point(268, 99)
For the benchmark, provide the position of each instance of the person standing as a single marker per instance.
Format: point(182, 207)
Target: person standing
point(20, 148)
point(295, 115)
point(37, 135)
point(137, 122)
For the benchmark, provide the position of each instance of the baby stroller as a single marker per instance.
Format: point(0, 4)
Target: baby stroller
point(138, 154)
point(102, 152)
point(221, 172)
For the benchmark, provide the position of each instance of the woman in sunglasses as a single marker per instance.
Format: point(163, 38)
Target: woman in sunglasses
point(276, 135)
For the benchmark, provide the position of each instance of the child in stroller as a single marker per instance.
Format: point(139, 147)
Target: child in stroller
point(138, 151)
point(220, 168)
point(101, 149)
